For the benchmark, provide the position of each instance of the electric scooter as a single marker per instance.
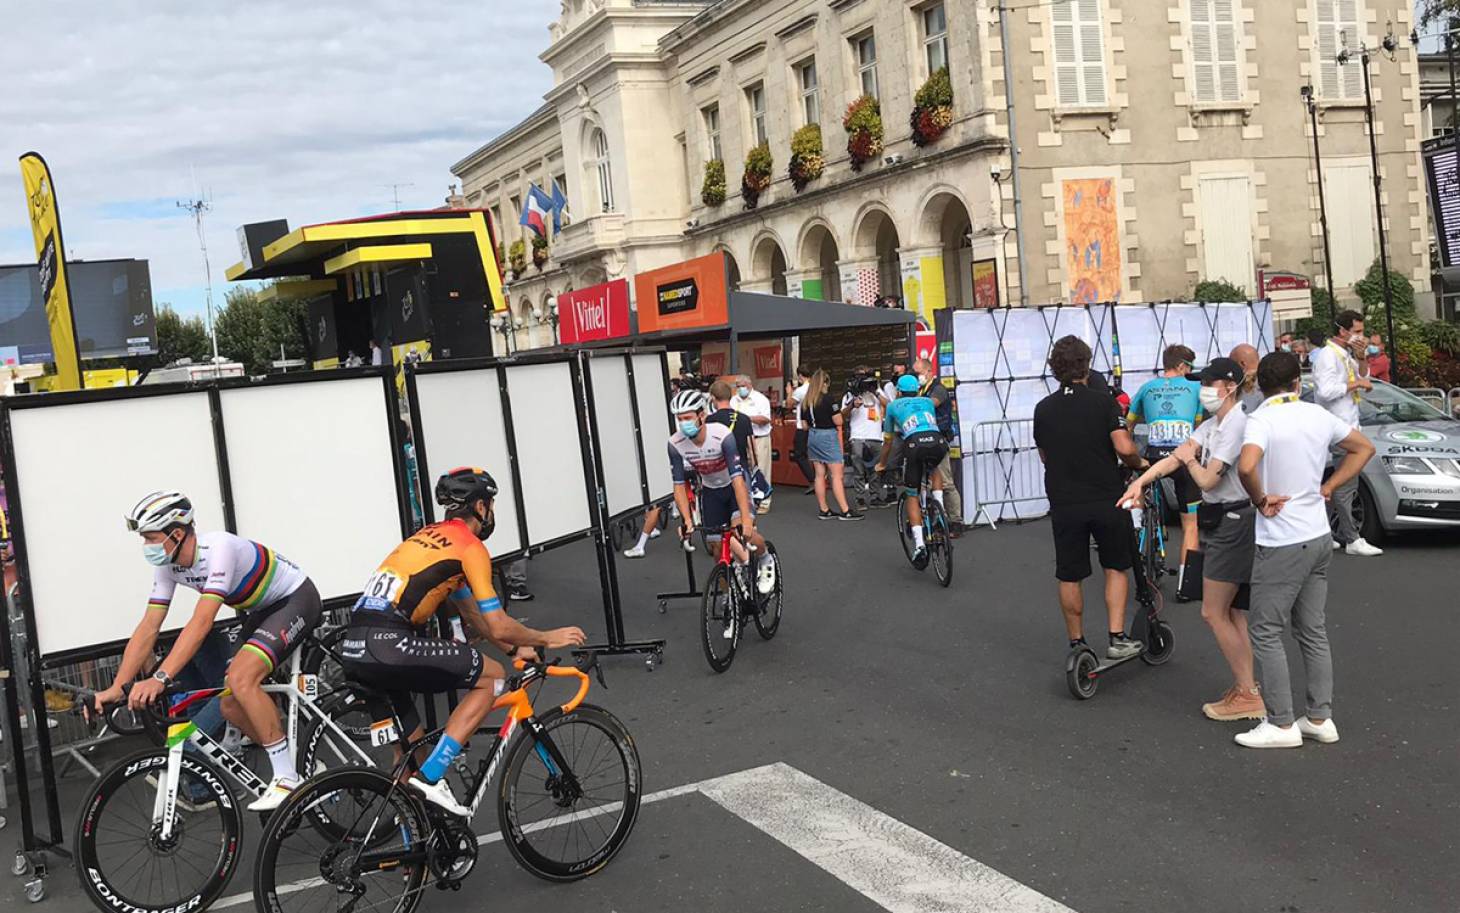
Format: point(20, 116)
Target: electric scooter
point(1083, 667)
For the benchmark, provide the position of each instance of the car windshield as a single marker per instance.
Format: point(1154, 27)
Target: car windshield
point(1387, 404)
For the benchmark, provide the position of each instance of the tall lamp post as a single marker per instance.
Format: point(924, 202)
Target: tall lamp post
point(502, 323)
point(1311, 102)
point(550, 316)
point(1343, 59)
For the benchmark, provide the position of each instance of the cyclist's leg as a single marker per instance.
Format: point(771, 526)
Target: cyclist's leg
point(1188, 499)
point(912, 482)
point(274, 637)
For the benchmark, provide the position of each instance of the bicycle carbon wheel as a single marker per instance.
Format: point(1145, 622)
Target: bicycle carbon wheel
point(563, 825)
point(940, 543)
point(122, 860)
point(380, 857)
point(904, 531)
point(719, 619)
point(768, 606)
point(321, 748)
point(1151, 532)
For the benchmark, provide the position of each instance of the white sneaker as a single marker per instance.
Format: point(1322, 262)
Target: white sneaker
point(1266, 735)
point(655, 533)
point(635, 552)
point(1324, 732)
point(765, 577)
point(274, 795)
point(439, 795)
point(1362, 549)
point(1337, 545)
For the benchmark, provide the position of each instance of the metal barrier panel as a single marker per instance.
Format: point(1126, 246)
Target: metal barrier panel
point(1432, 395)
point(1004, 472)
point(1452, 402)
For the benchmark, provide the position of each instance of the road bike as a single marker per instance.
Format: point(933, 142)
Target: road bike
point(936, 534)
point(730, 597)
point(566, 803)
point(161, 829)
point(1150, 527)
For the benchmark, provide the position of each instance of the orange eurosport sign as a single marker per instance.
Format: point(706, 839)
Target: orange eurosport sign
point(685, 296)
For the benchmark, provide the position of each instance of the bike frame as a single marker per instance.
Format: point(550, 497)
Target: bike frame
point(301, 694)
point(1155, 503)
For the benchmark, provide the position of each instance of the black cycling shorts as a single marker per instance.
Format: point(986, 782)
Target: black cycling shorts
point(1188, 493)
point(1075, 524)
point(276, 630)
point(717, 506)
point(396, 661)
point(925, 450)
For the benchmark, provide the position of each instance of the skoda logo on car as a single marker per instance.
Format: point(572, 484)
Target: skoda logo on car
point(1414, 436)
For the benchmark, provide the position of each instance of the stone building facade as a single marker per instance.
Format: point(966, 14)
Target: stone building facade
point(1163, 142)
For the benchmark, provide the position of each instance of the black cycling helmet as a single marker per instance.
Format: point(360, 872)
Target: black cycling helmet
point(463, 486)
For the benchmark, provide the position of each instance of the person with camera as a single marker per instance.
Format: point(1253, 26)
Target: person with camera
point(862, 410)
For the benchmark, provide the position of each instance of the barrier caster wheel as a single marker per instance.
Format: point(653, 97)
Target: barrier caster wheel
point(1080, 674)
point(663, 606)
point(35, 891)
point(21, 866)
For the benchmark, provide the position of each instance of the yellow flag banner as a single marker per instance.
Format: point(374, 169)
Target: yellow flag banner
point(45, 224)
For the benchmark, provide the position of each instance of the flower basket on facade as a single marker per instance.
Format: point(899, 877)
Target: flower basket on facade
point(517, 258)
point(863, 123)
point(807, 161)
point(539, 252)
point(932, 112)
point(757, 177)
point(712, 192)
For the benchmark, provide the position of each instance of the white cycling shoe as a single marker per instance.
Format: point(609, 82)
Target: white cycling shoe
point(439, 795)
point(274, 795)
point(765, 577)
point(635, 552)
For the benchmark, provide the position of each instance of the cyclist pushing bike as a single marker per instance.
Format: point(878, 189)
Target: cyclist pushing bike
point(913, 418)
point(709, 450)
point(280, 603)
point(383, 647)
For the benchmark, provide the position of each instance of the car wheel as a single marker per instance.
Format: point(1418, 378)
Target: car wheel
point(1366, 516)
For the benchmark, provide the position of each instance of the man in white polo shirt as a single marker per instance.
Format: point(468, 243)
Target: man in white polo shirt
point(1284, 452)
point(1340, 375)
point(756, 406)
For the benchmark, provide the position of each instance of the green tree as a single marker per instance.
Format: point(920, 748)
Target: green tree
point(251, 331)
point(180, 337)
point(1436, 11)
point(1218, 291)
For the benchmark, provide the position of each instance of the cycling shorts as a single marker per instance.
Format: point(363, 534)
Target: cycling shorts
point(275, 631)
point(925, 450)
point(396, 661)
point(1188, 493)
point(717, 506)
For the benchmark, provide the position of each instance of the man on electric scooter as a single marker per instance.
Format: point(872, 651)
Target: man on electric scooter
point(1081, 434)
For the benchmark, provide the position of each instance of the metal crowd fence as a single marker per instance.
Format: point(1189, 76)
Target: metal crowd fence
point(1007, 474)
point(1434, 396)
point(1452, 403)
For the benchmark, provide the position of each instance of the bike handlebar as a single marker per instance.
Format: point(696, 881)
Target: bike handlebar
point(587, 662)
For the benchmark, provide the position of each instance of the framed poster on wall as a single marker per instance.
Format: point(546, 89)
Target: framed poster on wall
point(986, 283)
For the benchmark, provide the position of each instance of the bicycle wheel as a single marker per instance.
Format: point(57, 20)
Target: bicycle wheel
point(904, 531)
point(719, 619)
point(321, 748)
point(1151, 532)
point(378, 862)
point(768, 605)
point(563, 825)
point(123, 861)
point(940, 544)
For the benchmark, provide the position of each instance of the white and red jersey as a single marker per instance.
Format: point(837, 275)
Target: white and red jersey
point(716, 461)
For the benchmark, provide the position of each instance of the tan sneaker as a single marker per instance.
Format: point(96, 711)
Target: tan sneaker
point(1236, 705)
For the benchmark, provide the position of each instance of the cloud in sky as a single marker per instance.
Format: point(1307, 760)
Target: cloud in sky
point(302, 111)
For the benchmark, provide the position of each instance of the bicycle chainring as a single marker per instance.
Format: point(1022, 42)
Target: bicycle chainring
point(453, 853)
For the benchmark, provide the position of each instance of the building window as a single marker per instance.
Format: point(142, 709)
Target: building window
point(516, 214)
point(865, 49)
point(1214, 52)
point(810, 92)
point(711, 117)
point(602, 166)
point(755, 104)
point(935, 37)
point(1079, 53)
point(1337, 22)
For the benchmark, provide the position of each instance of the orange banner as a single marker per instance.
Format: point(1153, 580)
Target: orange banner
point(684, 296)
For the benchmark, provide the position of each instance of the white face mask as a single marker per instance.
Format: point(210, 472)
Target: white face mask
point(1211, 399)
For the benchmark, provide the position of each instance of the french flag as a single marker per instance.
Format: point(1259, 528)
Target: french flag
point(536, 210)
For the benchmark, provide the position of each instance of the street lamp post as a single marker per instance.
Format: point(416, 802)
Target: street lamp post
point(1307, 92)
point(502, 323)
point(550, 316)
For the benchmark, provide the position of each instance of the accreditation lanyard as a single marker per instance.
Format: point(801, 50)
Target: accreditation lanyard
point(1348, 364)
point(1281, 400)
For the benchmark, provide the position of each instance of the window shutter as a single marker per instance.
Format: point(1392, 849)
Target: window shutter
point(1328, 70)
point(1203, 51)
point(1347, 16)
point(1066, 61)
point(1079, 53)
point(1228, 59)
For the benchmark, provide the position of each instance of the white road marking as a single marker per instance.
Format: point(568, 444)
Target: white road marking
point(900, 868)
point(896, 866)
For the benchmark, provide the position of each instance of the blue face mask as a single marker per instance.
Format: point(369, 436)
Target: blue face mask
point(689, 428)
point(156, 554)
point(1286, 347)
point(743, 391)
point(1373, 350)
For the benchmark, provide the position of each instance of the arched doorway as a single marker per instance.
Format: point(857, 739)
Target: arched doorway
point(945, 223)
point(732, 271)
point(768, 263)
point(819, 255)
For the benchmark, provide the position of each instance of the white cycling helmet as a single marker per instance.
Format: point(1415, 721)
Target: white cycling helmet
point(687, 401)
point(159, 512)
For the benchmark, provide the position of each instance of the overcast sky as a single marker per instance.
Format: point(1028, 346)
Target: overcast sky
point(296, 110)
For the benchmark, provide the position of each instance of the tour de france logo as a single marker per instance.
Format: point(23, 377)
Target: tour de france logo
point(1414, 436)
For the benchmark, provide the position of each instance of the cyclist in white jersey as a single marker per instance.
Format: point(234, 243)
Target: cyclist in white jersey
point(280, 605)
point(709, 450)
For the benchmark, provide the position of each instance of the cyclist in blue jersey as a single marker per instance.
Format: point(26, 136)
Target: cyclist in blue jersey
point(914, 419)
point(1170, 407)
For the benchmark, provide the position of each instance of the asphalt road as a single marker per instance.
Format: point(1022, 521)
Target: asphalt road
point(947, 710)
